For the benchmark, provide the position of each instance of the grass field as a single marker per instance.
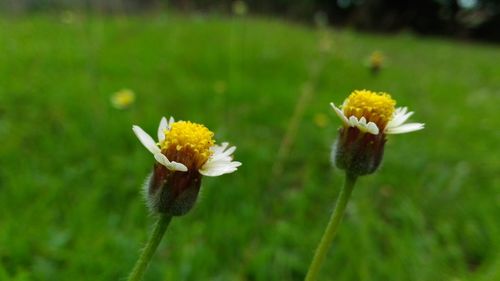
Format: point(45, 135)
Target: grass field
point(71, 168)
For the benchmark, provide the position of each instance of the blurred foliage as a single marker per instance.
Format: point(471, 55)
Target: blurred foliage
point(71, 169)
point(459, 18)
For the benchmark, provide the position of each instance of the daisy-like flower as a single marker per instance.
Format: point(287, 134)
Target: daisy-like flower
point(367, 118)
point(185, 152)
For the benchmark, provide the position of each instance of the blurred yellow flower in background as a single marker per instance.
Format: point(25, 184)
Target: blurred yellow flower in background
point(325, 43)
point(68, 17)
point(123, 99)
point(220, 87)
point(240, 8)
point(376, 61)
point(321, 120)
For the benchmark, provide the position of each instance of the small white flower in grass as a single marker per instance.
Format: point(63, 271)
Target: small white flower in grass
point(184, 152)
point(367, 117)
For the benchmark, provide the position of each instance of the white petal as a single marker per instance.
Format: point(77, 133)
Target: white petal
point(219, 148)
point(372, 128)
point(176, 166)
point(406, 128)
point(367, 128)
point(146, 139)
point(220, 154)
point(161, 129)
point(221, 165)
point(401, 110)
point(361, 124)
point(400, 116)
point(221, 151)
point(353, 121)
point(340, 114)
point(217, 169)
point(220, 162)
point(162, 159)
point(171, 165)
point(170, 122)
point(216, 173)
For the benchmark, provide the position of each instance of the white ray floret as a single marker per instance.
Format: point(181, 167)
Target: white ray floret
point(220, 162)
point(152, 146)
point(394, 126)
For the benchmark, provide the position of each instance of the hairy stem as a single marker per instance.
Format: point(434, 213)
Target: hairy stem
point(147, 253)
point(331, 228)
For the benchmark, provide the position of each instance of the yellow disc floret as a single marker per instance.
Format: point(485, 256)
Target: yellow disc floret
point(375, 107)
point(188, 143)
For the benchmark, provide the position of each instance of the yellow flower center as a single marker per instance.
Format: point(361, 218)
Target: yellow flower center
point(375, 107)
point(188, 143)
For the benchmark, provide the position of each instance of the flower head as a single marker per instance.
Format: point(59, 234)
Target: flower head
point(123, 99)
point(240, 8)
point(367, 117)
point(184, 152)
point(376, 58)
point(376, 61)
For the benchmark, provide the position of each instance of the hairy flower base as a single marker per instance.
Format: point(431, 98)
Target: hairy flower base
point(172, 192)
point(358, 152)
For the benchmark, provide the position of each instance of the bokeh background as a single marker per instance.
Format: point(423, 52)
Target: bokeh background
point(261, 75)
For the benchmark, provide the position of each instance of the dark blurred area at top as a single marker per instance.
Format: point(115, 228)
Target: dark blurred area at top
point(465, 19)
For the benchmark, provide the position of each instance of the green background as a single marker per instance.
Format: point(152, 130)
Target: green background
point(71, 168)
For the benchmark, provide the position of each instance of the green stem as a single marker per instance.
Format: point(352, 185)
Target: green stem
point(148, 251)
point(331, 228)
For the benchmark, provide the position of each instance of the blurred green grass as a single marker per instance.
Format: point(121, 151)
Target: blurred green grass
point(71, 168)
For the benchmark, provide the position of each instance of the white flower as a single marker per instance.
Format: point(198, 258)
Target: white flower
point(367, 116)
point(191, 145)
